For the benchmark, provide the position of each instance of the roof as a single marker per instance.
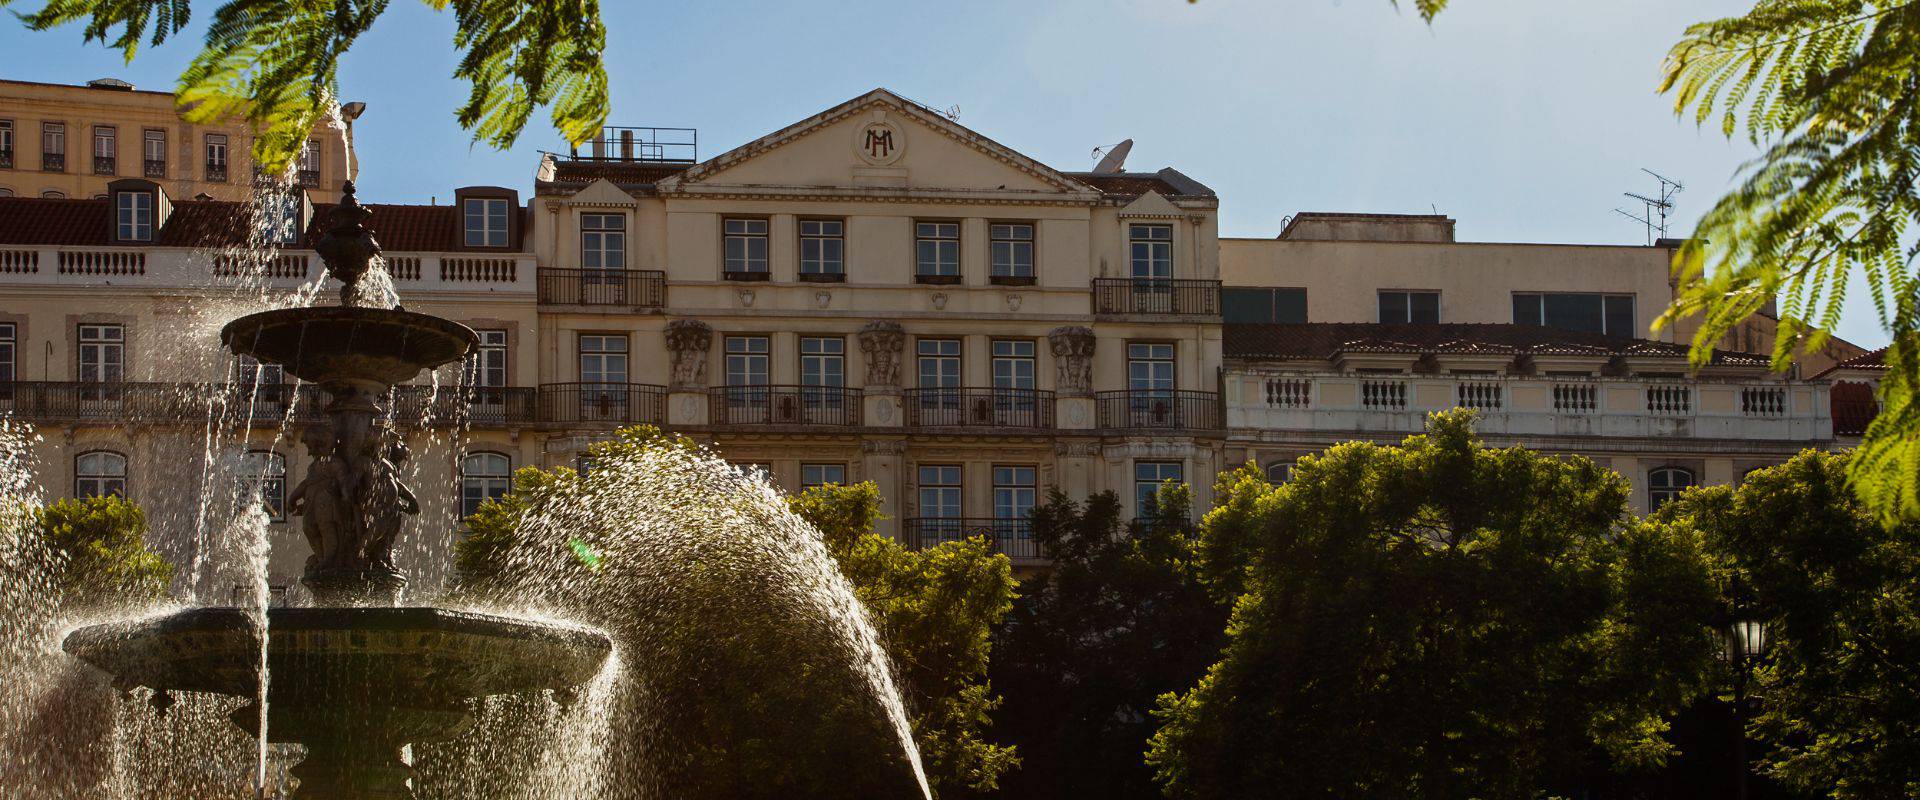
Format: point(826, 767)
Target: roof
point(1128, 185)
point(626, 174)
point(1875, 360)
point(1328, 340)
point(42, 222)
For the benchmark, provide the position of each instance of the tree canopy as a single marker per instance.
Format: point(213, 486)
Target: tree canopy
point(276, 64)
point(101, 549)
point(1436, 620)
point(1838, 703)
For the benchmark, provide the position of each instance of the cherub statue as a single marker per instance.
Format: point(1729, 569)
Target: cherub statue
point(388, 501)
point(320, 499)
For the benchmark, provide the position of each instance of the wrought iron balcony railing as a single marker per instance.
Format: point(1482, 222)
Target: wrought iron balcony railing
point(1156, 296)
point(245, 404)
point(639, 288)
point(6, 159)
point(105, 165)
point(217, 173)
point(983, 408)
point(602, 404)
point(154, 168)
point(1012, 537)
point(786, 405)
point(53, 162)
point(1159, 409)
point(307, 178)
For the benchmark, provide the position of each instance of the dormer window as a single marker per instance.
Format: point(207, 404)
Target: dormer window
point(134, 216)
point(486, 221)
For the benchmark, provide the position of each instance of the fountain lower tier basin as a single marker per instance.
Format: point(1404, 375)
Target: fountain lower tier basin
point(352, 667)
point(344, 344)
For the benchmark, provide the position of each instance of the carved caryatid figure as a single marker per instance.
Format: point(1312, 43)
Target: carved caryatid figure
point(881, 341)
point(687, 342)
point(1072, 347)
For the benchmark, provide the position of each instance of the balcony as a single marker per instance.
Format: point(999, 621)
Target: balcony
point(602, 404)
point(53, 162)
point(1028, 409)
point(1156, 297)
point(632, 288)
point(1010, 537)
point(1534, 407)
point(155, 169)
point(307, 178)
point(216, 173)
point(162, 403)
point(1158, 410)
point(6, 159)
point(786, 405)
point(105, 165)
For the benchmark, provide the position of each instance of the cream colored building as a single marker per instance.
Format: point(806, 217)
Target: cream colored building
point(66, 141)
point(875, 293)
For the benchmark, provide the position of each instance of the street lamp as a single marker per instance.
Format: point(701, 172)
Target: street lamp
point(348, 113)
point(1746, 641)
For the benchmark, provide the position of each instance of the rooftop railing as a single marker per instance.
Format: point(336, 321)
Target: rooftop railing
point(672, 145)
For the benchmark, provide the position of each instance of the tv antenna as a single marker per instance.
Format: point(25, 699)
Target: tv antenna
point(1654, 209)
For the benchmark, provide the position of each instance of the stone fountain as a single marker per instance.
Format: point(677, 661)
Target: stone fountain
point(357, 677)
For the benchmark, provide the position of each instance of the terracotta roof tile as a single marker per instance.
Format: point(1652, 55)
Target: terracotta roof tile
point(1325, 341)
point(34, 221)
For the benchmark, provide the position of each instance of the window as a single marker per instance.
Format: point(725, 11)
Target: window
point(1665, 484)
point(216, 157)
point(1150, 250)
point(263, 475)
point(603, 241)
point(100, 474)
point(812, 475)
point(153, 152)
point(486, 221)
point(936, 249)
point(822, 247)
point(487, 364)
point(8, 345)
point(759, 470)
point(1279, 472)
point(1150, 367)
point(940, 492)
point(1263, 305)
point(483, 476)
point(105, 146)
point(1610, 314)
point(102, 348)
point(261, 385)
point(1011, 247)
point(939, 363)
point(746, 246)
point(53, 146)
point(6, 144)
point(1421, 308)
point(282, 211)
point(1147, 479)
point(603, 359)
point(54, 194)
point(823, 361)
point(1013, 364)
point(134, 216)
point(747, 360)
point(1013, 494)
point(309, 174)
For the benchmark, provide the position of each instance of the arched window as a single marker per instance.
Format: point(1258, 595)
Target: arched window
point(1279, 471)
point(54, 194)
point(483, 476)
point(5, 192)
point(263, 473)
point(99, 473)
point(1667, 483)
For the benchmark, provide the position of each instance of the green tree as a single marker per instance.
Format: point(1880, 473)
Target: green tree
point(276, 64)
point(100, 544)
point(1438, 620)
point(1120, 619)
point(1838, 700)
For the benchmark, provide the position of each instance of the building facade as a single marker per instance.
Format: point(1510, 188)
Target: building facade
point(873, 293)
point(65, 141)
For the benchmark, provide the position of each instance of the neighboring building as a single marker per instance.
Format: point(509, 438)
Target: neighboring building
point(64, 141)
point(873, 293)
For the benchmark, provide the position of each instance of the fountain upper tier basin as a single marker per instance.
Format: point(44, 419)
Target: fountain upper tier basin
point(349, 345)
point(411, 656)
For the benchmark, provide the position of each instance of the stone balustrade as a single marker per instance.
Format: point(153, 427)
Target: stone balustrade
point(184, 268)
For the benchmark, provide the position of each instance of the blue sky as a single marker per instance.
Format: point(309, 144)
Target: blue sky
point(1523, 119)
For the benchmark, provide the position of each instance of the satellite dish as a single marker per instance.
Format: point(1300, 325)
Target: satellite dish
point(1114, 158)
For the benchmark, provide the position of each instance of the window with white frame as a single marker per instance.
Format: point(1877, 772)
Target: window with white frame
point(1611, 314)
point(106, 144)
point(814, 475)
point(487, 364)
point(254, 376)
point(100, 473)
point(153, 151)
point(1421, 308)
point(1150, 251)
point(936, 248)
point(55, 194)
point(760, 470)
point(6, 142)
point(822, 247)
point(486, 221)
point(53, 143)
point(1011, 246)
point(823, 361)
point(8, 346)
point(603, 358)
point(283, 216)
point(133, 213)
point(263, 477)
point(1148, 477)
point(1014, 492)
point(1013, 364)
point(939, 491)
point(1665, 484)
point(310, 160)
point(1279, 472)
point(603, 241)
point(747, 360)
point(939, 363)
point(483, 476)
point(216, 156)
point(745, 244)
point(1150, 367)
point(102, 353)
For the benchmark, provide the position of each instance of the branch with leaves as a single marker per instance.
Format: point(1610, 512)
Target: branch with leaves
point(275, 63)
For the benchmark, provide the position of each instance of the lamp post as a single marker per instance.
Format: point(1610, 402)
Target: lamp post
point(1746, 642)
point(348, 113)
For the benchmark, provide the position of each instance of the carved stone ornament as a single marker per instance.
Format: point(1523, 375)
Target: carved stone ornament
point(881, 341)
point(1072, 347)
point(687, 342)
point(939, 301)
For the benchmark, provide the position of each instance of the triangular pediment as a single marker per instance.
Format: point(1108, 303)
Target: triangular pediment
point(1152, 204)
point(877, 141)
point(601, 192)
